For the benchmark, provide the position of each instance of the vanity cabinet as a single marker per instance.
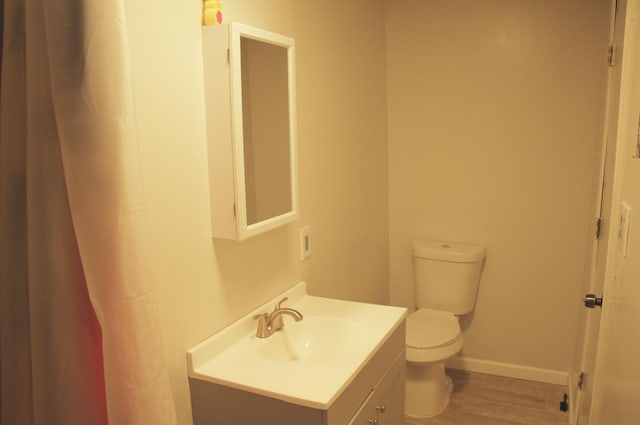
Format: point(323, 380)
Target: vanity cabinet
point(374, 395)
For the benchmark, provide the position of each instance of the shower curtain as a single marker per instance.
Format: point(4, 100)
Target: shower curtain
point(80, 339)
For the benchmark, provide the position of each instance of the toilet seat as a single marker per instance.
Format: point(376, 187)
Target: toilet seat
point(432, 335)
point(428, 328)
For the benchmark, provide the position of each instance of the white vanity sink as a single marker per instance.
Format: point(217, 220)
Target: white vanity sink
point(314, 341)
point(308, 363)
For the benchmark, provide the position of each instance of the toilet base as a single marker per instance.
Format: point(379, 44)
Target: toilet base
point(427, 389)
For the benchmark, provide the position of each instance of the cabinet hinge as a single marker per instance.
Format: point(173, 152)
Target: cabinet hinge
point(598, 227)
point(234, 210)
point(581, 381)
point(612, 55)
point(228, 57)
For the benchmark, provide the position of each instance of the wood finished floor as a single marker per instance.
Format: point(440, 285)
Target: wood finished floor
point(479, 399)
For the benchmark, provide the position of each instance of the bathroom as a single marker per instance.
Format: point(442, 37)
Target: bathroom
point(500, 162)
point(459, 120)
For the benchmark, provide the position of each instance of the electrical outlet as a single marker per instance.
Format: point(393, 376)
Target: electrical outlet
point(305, 243)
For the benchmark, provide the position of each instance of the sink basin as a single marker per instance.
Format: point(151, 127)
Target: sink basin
point(327, 348)
point(314, 340)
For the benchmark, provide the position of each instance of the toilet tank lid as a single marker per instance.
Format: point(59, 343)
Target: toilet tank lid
point(456, 252)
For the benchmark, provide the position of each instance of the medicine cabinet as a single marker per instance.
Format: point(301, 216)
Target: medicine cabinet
point(249, 80)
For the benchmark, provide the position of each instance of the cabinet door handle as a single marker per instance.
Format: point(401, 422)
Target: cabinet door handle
point(372, 422)
point(381, 408)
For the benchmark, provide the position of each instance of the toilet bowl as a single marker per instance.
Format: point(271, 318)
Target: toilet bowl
point(427, 386)
point(446, 282)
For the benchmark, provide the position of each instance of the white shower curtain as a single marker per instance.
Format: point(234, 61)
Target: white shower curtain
point(80, 341)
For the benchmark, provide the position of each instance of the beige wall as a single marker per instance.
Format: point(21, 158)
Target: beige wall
point(342, 137)
point(203, 285)
point(494, 121)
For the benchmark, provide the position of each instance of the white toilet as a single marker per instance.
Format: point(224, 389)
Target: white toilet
point(446, 277)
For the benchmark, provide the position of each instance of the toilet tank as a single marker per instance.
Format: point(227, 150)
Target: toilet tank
point(447, 275)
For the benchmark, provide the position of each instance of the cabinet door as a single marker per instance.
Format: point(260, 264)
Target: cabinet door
point(385, 404)
point(390, 405)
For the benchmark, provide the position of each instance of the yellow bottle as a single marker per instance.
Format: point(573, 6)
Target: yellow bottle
point(212, 12)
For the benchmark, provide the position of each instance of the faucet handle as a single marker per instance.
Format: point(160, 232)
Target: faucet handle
point(263, 325)
point(277, 322)
point(278, 306)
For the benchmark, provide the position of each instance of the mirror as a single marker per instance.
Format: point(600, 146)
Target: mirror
point(265, 127)
point(258, 108)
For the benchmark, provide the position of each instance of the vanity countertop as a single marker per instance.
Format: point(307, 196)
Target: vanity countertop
point(309, 362)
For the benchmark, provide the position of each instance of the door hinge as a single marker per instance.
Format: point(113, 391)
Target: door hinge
point(581, 381)
point(228, 56)
point(637, 153)
point(234, 210)
point(598, 227)
point(612, 55)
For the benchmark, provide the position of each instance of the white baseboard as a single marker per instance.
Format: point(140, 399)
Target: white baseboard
point(509, 370)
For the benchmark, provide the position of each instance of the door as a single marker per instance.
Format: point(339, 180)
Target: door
point(607, 225)
point(612, 384)
point(616, 392)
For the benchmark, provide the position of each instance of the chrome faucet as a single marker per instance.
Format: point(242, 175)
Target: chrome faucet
point(268, 323)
